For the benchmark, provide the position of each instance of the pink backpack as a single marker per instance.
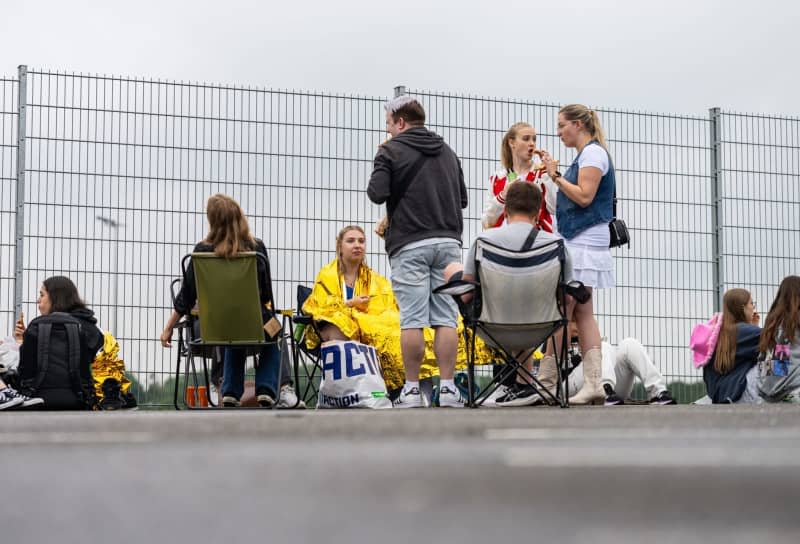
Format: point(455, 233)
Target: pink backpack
point(703, 341)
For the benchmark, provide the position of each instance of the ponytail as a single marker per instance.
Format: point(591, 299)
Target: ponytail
point(588, 118)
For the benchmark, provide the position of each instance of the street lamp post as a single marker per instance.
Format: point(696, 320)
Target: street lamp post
point(114, 227)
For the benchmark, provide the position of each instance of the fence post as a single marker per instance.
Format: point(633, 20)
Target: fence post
point(400, 90)
point(19, 214)
point(717, 206)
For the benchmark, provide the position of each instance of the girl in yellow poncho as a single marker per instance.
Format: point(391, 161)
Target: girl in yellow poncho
point(350, 301)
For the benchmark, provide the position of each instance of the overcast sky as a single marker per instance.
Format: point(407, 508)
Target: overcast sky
point(680, 56)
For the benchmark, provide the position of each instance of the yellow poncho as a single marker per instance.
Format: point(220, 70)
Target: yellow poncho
point(378, 326)
point(107, 364)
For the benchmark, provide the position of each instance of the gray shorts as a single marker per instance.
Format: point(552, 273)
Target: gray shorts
point(416, 273)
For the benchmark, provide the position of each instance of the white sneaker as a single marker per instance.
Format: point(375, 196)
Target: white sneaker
point(409, 398)
point(491, 400)
point(449, 398)
point(288, 398)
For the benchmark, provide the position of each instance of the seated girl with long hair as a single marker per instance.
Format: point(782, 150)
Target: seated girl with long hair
point(731, 374)
point(229, 234)
point(350, 301)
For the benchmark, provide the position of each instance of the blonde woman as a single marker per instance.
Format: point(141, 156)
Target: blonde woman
point(350, 301)
point(519, 158)
point(584, 209)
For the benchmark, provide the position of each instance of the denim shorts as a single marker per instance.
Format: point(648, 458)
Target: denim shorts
point(416, 273)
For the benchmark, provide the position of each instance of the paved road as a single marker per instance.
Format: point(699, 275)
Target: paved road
point(625, 474)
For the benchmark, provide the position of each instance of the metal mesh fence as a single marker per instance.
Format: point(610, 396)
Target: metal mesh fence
point(760, 194)
point(8, 180)
point(117, 172)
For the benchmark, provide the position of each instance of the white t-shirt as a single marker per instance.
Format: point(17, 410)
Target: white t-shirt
point(594, 155)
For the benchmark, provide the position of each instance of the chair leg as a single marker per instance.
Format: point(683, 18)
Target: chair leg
point(177, 378)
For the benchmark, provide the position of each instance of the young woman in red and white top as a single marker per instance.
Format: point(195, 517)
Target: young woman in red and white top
point(517, 153)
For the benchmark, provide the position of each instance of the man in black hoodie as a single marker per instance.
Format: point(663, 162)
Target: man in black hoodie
point(420, 179)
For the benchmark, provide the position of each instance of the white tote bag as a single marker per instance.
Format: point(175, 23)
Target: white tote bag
point(351, 377)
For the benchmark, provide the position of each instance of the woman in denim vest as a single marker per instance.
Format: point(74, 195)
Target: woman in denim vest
point(584, 209)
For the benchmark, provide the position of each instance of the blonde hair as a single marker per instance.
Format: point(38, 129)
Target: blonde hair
point(733, 304)
point(506, 158)
point(228, 230)
point(588, 118)
point(340, 238)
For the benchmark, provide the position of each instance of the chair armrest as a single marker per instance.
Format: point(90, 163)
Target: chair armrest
point(577, 290)
point(457, 287)
point(302, 320)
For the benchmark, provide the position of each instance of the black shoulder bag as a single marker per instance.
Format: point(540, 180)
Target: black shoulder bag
point(618, 229)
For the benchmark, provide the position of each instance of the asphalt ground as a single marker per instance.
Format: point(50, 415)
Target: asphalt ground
point(618, 474)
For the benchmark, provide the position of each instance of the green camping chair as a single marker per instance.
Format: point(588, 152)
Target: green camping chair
point(229, 311)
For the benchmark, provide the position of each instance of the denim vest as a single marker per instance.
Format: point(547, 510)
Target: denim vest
point(572, 219)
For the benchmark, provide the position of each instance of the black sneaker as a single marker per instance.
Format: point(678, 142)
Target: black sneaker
point(27, 402)
point(265, 398)
point(612, 399)
point(9, 399)
point(665, 397)
point(129, 401)
point(112, 396)
point(519, 395)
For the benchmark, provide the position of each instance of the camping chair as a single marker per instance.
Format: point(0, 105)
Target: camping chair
point(229, 310)
point(518, 304)
point(304, 358)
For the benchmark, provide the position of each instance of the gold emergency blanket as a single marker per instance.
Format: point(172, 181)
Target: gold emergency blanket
point(107, 364)
point(378, 326)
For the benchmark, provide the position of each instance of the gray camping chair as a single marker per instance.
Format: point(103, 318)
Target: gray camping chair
point(518, 305)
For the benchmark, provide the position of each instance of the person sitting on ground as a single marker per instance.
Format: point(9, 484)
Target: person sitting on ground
point(731, 374)
point(10, 397)
point(228, 235)
point(621, 364)
point(351, 301)
point(781, 378)
point(522, 205)
point(111, 388)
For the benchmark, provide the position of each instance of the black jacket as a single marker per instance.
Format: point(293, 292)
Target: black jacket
point(725, 388)
point(431, 206)
point(187, 296)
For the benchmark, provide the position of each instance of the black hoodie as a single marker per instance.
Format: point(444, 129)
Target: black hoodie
point(57, 389)
point(431, 206)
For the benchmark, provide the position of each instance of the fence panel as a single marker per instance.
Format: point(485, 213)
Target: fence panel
point(760, 226)
point(119, 170)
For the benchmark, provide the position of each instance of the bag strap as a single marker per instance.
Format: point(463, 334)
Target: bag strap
point(528, 243)
point(610, 165)
point(74, 360)
point(42, 354)
point(412, 175)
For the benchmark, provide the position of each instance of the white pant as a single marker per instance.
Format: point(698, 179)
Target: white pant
point(621, 364)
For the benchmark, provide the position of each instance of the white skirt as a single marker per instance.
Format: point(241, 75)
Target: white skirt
point(592, 262)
